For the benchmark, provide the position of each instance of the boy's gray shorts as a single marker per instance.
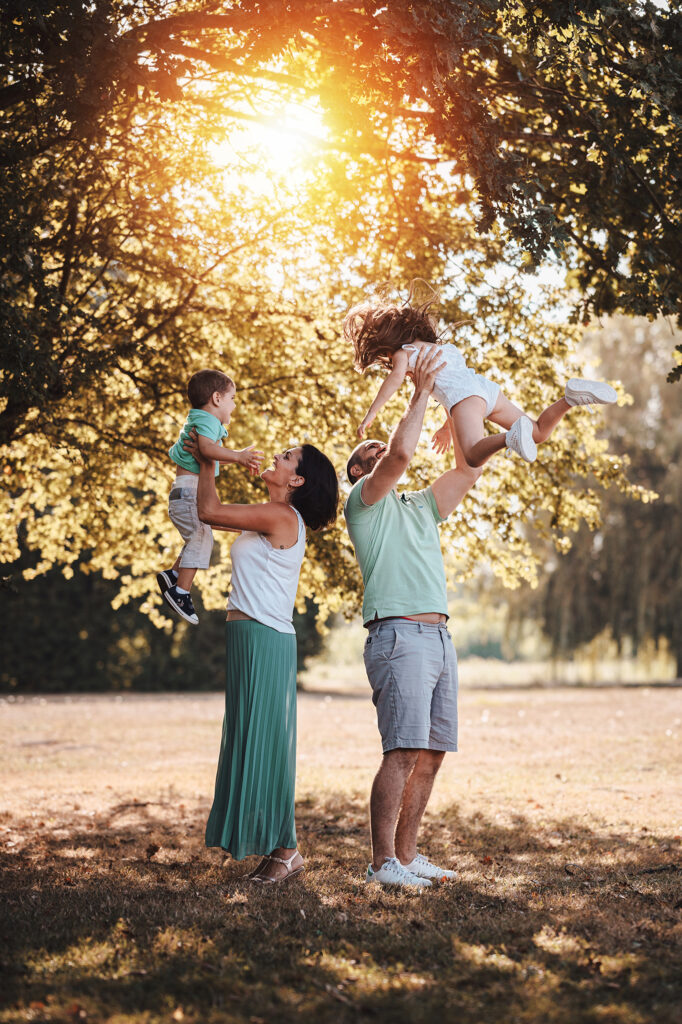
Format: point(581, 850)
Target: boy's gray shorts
point(182, 510)
point(412, 669)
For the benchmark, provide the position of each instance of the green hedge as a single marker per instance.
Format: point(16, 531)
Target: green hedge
point(62, 636)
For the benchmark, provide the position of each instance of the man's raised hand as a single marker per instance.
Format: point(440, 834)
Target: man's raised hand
point(429, 363)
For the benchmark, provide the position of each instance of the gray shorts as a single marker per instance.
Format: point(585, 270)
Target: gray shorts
point(412, 669)
point(182, 510)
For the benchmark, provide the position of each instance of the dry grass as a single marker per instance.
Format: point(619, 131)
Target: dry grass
point(560, 814)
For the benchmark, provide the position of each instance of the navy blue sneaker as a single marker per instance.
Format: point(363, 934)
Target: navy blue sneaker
point(182, 604)
point(166, 578)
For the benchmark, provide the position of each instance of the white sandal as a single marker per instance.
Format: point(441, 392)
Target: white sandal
point(287, 864)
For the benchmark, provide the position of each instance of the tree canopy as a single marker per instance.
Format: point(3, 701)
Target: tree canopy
point(151, 226)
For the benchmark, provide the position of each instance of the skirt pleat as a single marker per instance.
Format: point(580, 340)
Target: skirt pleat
point(253, 804)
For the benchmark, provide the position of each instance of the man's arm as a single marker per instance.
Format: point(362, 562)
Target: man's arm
point(404, 439)
point(450, 488)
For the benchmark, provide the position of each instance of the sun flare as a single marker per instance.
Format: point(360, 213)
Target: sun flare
point(279, 145)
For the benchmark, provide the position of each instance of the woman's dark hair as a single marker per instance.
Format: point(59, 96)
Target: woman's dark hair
point(377, 329)
point(318, 497)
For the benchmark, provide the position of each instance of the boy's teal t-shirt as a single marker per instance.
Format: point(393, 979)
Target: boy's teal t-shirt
point(397, 544)
point(208, 426)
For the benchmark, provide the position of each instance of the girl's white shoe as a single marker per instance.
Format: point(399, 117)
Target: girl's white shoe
point(520, 439)
point(589, 392)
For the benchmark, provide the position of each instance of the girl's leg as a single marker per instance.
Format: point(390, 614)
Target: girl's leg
point(468, 418)
point(505, 413)
point(548, 419)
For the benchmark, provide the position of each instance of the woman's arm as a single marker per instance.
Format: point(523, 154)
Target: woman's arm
point(276, 520)
point(387, 389)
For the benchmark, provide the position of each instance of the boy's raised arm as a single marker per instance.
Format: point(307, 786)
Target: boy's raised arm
point(250, 457)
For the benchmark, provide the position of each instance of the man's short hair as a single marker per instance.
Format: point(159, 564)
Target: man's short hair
point(204, 384)
point(356, 459)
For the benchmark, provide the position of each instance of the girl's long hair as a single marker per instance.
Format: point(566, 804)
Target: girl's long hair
point(378, 328)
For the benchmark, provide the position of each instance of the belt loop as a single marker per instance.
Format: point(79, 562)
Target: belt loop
point(421, 629)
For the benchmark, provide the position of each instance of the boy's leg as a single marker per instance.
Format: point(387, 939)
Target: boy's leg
point(468, 418)
point(185, 578)
point(198, 539)
point(197, 536)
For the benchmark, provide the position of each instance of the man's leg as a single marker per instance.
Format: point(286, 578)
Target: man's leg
point(387, 795)
point(415, 798)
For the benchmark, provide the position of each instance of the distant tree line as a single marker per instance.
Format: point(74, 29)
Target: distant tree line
point(626, 577)
point(66, 638)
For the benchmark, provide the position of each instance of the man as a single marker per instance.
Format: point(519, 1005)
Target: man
point(409, 655)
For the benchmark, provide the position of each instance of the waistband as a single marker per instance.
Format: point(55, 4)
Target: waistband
point(399, 620)
point(186, 480)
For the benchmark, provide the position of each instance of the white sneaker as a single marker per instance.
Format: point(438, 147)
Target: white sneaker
point(520, 439)
point(392, 872)
point(589, 392)
point(423, 868)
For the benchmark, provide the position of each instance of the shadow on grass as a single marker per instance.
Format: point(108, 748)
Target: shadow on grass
point(128, 917)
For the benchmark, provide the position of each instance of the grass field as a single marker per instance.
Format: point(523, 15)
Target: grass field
point(561, 813)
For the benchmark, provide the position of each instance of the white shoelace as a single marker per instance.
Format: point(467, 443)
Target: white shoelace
point(396, 871)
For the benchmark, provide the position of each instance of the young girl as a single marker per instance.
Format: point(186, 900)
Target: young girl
point(392, 336)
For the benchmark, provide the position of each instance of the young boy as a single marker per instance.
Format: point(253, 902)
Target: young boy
point(212, 397)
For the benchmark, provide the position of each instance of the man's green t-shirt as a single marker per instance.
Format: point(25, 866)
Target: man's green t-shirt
point(397, 544)
point(206, 424)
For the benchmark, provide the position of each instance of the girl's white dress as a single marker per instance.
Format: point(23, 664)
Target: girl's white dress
point(456, 381)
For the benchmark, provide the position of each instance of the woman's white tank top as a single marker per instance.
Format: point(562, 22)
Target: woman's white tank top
point(265, 579)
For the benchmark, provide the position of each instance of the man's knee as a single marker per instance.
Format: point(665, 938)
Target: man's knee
point(401, 759)
point(429, 761)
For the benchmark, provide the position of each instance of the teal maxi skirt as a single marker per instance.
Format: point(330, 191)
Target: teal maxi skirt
point(253, 805)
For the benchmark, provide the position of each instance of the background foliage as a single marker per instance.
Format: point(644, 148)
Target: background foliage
point(625, 579)
point(149, 230)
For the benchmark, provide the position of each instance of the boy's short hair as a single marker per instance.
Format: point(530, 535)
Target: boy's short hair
point(205, 383)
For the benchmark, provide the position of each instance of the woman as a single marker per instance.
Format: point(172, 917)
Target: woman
point(253, 806)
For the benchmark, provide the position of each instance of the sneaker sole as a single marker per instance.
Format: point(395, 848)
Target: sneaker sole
point(596, 392)
point(529, 449)
point(401, 885)
point(437, 879)
point(178, 611)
